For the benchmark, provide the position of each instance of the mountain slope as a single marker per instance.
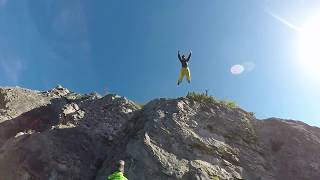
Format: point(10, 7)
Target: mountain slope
point(60, 134)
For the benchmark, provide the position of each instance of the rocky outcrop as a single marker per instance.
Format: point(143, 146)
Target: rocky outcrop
point(15, 101)
point(289, 149)
point(59, 134)
point(67, 139)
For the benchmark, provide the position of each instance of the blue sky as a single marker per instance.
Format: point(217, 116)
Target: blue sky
point(130, 48)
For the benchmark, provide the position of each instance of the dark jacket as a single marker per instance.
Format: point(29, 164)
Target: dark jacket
point(184, 62)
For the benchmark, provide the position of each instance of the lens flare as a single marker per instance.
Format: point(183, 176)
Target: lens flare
point(237, 69)
point(309, 46)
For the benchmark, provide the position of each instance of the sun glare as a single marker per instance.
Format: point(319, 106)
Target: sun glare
point(309, 46)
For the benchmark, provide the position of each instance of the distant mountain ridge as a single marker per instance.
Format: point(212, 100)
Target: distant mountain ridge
point(60, 134)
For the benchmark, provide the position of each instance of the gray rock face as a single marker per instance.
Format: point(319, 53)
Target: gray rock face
point(60, 134)
point(291, 149)
point(182, 139)
point(15, 101)
point(66, 139)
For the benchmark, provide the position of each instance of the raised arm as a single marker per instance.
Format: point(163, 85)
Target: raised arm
point(189, 55)
point(179, 55)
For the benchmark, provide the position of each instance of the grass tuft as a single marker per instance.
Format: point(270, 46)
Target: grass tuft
point(203, 98)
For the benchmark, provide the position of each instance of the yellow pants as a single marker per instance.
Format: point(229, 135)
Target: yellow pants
point(184, 72)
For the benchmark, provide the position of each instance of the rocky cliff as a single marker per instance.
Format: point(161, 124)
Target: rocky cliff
point(59, 134)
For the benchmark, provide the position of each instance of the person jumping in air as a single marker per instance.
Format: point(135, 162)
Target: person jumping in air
point(185, 71)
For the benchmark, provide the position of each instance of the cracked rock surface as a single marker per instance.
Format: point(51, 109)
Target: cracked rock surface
point(60, 134)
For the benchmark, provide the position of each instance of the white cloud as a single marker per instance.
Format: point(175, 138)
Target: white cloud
point(10, 69)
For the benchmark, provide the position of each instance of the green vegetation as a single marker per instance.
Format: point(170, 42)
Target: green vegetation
point(215, 178)
point(230, 104)
point(204, 98)
point(201, 97)
point(140, 105)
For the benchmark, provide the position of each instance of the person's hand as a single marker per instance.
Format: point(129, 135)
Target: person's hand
point(190, 51)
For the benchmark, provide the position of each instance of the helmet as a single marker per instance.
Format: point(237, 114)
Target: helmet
point(120, 165)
